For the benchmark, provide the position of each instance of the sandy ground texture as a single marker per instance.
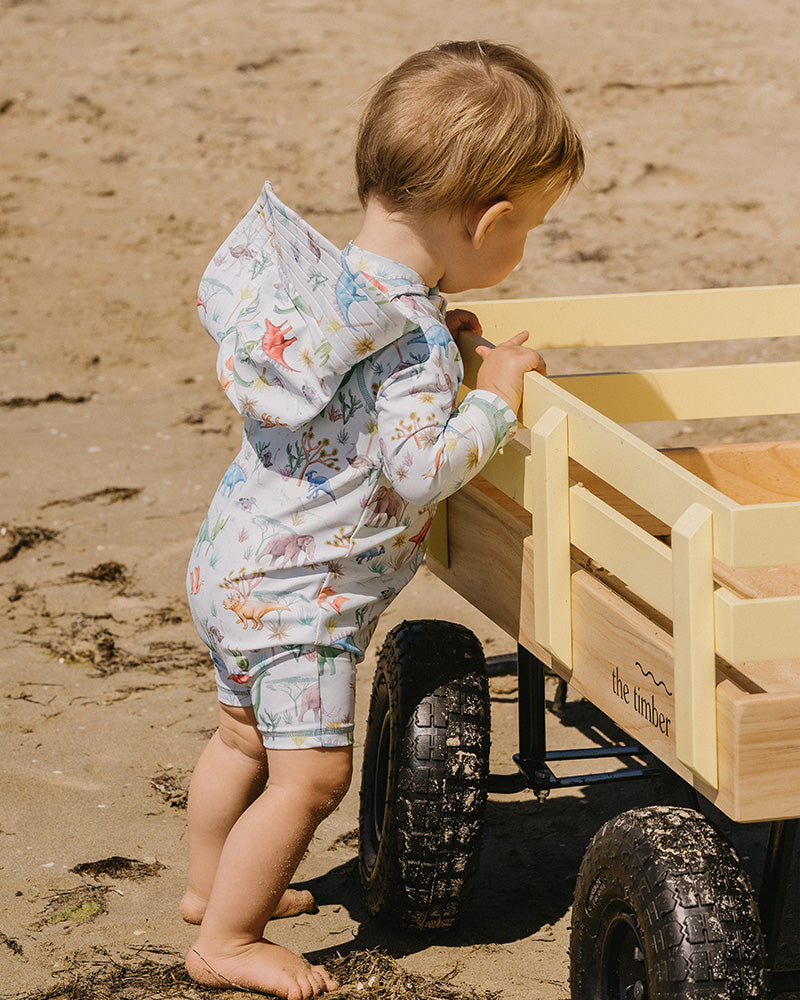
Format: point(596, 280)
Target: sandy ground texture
point(132, 137)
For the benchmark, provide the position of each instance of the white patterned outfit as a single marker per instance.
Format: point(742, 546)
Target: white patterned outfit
point(346, 376)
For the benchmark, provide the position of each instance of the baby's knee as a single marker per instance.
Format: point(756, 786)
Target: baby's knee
point(326, 782)
point(341, 777)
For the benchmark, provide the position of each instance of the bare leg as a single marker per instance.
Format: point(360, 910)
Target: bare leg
point(229, 776)
point(260, 856)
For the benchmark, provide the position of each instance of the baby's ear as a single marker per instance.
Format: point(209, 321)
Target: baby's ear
point(484, 220)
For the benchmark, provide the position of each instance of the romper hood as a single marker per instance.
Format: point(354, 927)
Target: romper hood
point(292, 314)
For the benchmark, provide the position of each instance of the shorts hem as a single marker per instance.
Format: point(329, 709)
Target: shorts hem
point(234, 700)
point(308, 741)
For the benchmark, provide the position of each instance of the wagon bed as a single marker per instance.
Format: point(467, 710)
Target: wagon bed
point(663, 586)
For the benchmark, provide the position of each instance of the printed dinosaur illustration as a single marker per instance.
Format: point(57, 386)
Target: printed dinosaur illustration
point(495, 419)
point(422, 534)
point(348, 291)
point(318, 484)
point(346, 643)
point(310, 702)
point(231, 479)
point(207, 534)
point(435, 335)
point(251, 610)
point(274, 342)
point(373, 553)
point(327, 596)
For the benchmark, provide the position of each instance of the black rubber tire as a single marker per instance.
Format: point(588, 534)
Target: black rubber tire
point(664, 910)
point(425, 775)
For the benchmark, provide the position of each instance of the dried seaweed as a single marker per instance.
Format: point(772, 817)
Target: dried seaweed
point(363, 975)
point(15, 538)
point(172, 788)
point(118, 867)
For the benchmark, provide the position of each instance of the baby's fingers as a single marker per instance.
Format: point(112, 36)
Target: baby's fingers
point(538, 364)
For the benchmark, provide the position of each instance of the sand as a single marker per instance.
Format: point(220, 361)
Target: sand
point(133, 137)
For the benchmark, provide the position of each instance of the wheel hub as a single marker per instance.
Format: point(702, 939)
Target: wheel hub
point(624, 970)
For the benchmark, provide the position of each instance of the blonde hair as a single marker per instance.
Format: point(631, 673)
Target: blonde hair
point(461, 124)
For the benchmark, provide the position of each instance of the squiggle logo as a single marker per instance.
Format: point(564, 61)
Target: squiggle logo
point(649, 673)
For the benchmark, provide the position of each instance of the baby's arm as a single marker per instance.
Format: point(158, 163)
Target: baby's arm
point(431, 449)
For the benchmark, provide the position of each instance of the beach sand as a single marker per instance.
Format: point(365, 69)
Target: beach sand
point(133, 137)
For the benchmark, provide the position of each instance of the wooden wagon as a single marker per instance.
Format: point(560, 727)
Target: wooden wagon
point(664, 586)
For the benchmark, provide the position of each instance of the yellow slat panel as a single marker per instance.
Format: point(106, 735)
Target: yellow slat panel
point(693, 637)
point(757, 628)
point(632, 466)
point(546, 496)
point(765, 534)
point(644, 317)
point(689, 393)
point(622, 548)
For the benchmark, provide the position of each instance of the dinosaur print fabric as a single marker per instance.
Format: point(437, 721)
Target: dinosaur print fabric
point(301, 695)
point(346, 376)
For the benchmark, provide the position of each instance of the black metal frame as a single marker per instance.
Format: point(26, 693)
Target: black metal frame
point(534, 773)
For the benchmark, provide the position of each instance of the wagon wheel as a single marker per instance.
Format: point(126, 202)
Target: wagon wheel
point(424, 780)
point(664, 910)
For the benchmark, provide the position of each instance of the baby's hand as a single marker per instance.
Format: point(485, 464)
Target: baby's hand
point(462, 319)
point(504, 366)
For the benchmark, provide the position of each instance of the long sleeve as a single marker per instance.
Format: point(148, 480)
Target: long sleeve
point(429, 448)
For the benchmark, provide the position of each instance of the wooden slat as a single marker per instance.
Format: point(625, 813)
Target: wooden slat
point(758, 628)
point(644, 317)
point(546, 496)
point(689, 393)
point(693, 638)
point(622, 548)
point(767, 534)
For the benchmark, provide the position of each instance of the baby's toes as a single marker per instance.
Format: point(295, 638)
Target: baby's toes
point(322, 981)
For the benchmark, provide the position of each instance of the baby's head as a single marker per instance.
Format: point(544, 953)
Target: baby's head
point(464, 124)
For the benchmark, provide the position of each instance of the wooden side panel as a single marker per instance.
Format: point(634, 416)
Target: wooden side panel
point(485, 545)
point(623, 662)
point(759, 753)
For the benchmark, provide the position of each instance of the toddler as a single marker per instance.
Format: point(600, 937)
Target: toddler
point(345, 368)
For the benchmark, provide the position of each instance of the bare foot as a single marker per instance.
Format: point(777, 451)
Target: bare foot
point(292, 903)
point(260, 966)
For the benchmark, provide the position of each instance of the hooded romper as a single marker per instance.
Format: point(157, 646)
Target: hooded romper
point(346, 377)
